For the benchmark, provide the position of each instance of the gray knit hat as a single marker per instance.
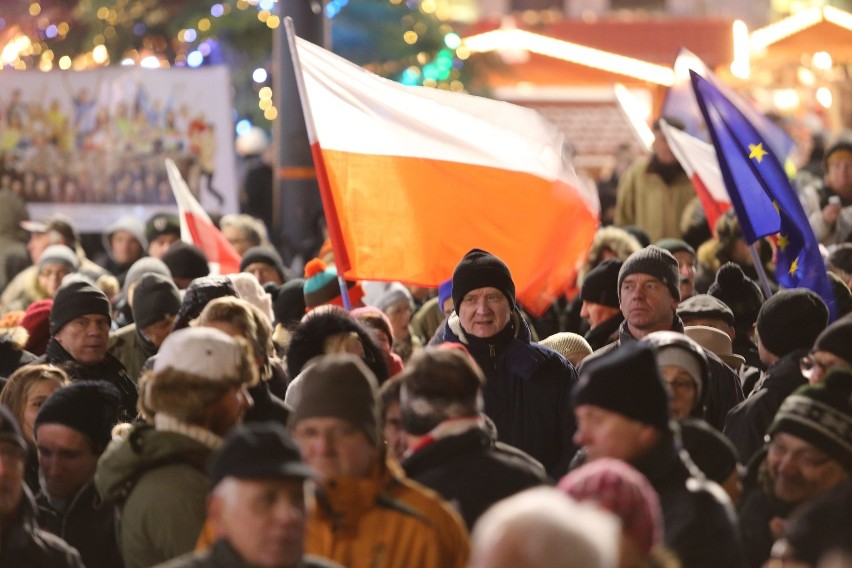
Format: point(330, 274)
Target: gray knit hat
point(339, 386)
point(655, 261)
point(59, 254)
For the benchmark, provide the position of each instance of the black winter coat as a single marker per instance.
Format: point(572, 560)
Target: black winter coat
point(12, 358)
point(87, 524)
point(700, 526)
point(24, 545)
point(223, 555)
point(748, 422)
point(605, 333)
point(469, 472)
point(110, 370)
point(527, 391)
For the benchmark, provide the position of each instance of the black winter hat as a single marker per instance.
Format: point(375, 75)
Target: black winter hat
point(339, 386)
point(266, 256)
point(739, 293)
point(821, 415)
point(186, 261)
point(627, 381)
point(704, 306)
point(89, 407)
point(74, 299)
point(258, 451)
point(655, 261)
point(162, 224)
point(712, 452)
point(480, 269)
point(675, 245)
point(288, 305)
point(837, 339)
point(199, 293)
point(791, 319)
point(600, 286)
point(154, 298)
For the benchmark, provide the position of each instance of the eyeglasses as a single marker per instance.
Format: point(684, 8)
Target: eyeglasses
point(681, 385)
point(802, 457)
point(807, 365)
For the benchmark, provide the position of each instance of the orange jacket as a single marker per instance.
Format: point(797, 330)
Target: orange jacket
point(385, 521)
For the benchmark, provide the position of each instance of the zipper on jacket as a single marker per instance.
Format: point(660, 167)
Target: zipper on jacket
point(492, 352)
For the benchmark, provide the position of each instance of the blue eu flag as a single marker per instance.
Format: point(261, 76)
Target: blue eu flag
point(761, 193)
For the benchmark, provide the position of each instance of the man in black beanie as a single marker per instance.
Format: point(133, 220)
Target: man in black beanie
point(623, 412)
point(155, 303)
point(72, 430)
point(685, 256)
point(599, 293)
point(79, 335)
point(186, 262)
point(266, 265)
point(787, 327)
point(809, 452)
point(649, 293)
point(24, 543)
point(832, 349)
point(527, 385)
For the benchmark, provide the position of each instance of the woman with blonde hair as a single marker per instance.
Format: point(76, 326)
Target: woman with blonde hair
point(24, 393)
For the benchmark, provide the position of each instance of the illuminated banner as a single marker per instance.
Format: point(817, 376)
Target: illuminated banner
point(92, 144)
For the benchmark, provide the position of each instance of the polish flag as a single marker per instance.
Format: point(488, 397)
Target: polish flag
point(698, 159)
point(196, 227)
point(412, 178)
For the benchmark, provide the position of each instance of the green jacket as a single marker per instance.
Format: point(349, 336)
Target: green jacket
point(127, 346)
point(159, 481)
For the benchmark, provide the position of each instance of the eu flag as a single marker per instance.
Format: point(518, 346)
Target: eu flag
point(761, 193)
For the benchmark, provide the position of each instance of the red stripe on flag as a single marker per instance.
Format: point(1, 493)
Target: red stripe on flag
point(712, 209)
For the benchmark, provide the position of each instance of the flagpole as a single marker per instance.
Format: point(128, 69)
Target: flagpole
point(341, 257)
point(758, 266)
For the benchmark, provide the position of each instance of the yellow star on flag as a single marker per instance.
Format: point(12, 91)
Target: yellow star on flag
point(783, 241)
point(794, 267)
point(757, 151)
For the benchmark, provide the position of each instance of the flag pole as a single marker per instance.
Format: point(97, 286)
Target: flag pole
point(341, 256)
point(758, 266)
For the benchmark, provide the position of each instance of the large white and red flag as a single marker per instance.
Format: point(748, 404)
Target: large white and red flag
point(412, 178)
point(196, 227)
point(698, 159)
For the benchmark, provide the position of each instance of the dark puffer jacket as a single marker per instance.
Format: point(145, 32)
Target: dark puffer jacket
point(700, 526)
point(24, 545)
point(748, 421)
point(527, 391)
point(467, 470)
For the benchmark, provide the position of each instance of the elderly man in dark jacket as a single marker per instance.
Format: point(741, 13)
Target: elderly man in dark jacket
point(809, 454)
point(527, 388)
point(22, 543)
point(79, 335)
point(623, 412)
point(450, 449)
point(648, 294)
point(787, 326)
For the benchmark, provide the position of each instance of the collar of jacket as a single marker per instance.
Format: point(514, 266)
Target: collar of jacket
point(624, 332)
point(658, 463)
point(150, 348)
point(108, 366)
point(785, 374)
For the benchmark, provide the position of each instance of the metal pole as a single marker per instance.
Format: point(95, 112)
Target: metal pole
point(297, 208)
point(758, 266)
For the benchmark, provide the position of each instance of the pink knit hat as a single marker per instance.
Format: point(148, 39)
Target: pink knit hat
point(36, 322)
point(621, 489)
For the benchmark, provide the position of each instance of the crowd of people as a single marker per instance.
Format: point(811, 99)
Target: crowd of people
point(675, 412)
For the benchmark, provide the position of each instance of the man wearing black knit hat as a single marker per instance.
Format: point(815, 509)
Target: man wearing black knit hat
point(79, 335)
point(623, 412)
point(266, 265)
point(648, 293)
point(832, 349)
point(809, 452)
point(787, 326)
point(600, 303)
point(155, 303)
point(72, 430)
point(527, 385)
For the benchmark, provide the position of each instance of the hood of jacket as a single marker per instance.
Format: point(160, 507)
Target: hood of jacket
point(144, 449)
